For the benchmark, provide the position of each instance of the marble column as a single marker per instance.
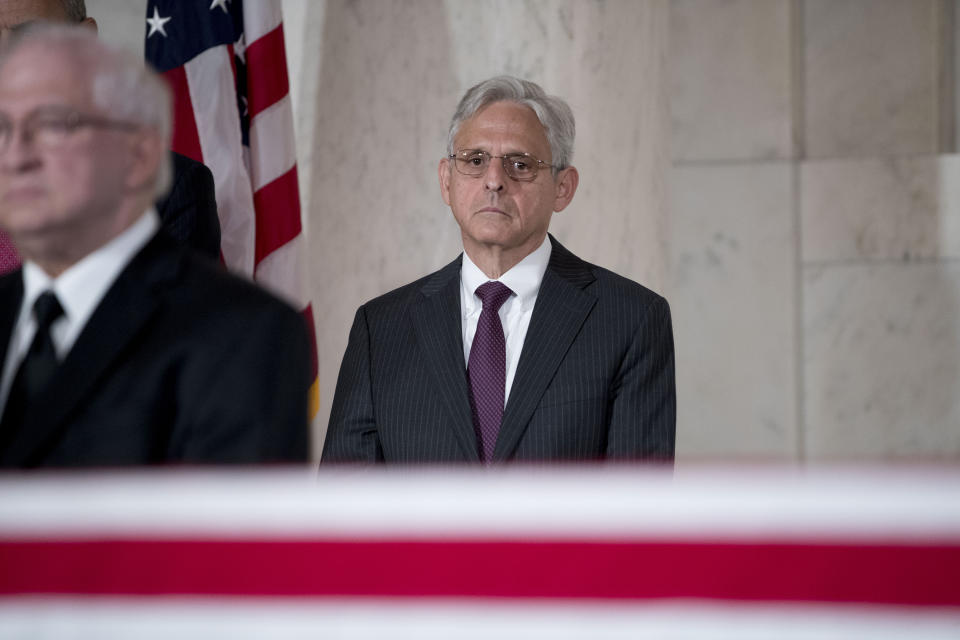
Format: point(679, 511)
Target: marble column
point(733, 270)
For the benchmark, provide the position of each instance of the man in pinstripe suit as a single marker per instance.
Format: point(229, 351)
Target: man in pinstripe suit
point(582, 358)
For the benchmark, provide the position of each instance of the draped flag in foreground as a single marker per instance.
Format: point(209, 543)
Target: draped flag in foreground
point(226, 64)
point(603, 553)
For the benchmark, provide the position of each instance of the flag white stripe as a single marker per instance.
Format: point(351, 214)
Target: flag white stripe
point(271, 143)
point(281, 272)
point(211, 83)
point(591, 503)
point(259, 19)
point(164, 618)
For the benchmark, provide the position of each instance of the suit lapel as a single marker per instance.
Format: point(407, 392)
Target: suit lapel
point(561, 308)
point(11, 296)
point(119, 318)
point(436, 320)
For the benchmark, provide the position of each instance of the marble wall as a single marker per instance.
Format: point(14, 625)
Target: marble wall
point(733, 264)
point(730, 81)
point(833, 119)
point(120, 21)
point(880, 231)
point(783, 170)
point(870, 77)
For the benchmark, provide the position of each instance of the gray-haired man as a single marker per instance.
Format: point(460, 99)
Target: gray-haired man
point(516, 350)
point(189, 210)
point(119, 347)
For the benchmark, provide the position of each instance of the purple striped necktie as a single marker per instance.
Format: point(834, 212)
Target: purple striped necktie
point(9, 260)
point(487, 369)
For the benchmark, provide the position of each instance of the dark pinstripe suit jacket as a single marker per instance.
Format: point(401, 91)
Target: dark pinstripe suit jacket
point(189, 211)
point(595, 377)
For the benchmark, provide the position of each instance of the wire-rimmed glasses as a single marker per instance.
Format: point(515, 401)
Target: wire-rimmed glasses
point(519, 166)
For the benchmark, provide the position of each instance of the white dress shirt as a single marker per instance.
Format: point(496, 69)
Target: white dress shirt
point(524, 280)
point(79, 290)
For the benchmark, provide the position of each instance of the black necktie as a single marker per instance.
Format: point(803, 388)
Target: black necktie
point(36, 369)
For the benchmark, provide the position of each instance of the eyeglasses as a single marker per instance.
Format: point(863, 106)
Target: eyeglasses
point(519, 166)
point(49, 129)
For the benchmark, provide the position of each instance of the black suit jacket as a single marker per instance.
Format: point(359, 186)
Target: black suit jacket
point(180, 362)
point(595, 377)
point(189, 211)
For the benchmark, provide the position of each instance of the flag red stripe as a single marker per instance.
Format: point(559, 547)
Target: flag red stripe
point(277, 206)
point(266, 71)
point(231, 56)
point(186, 140)
point(890, 574)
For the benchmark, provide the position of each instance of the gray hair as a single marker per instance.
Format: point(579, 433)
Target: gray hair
point(554, 113)
point(121, 86)
point(76, 10)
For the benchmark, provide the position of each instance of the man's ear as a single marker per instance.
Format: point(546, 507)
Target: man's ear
point(567, 181)
point(443, 172)
point(90, 22)
point(147, 151)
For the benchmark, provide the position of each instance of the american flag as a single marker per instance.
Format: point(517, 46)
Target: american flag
point(605, 553)
point(226, 64)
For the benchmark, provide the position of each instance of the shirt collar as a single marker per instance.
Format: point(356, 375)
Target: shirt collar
point(523, 278)
point(81, 287)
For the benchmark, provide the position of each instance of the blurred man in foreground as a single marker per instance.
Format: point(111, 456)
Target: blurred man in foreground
point(516, 350)
point(189, 210)
point(118, 346)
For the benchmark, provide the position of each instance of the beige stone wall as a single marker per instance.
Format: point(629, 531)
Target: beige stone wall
point(814, 270)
